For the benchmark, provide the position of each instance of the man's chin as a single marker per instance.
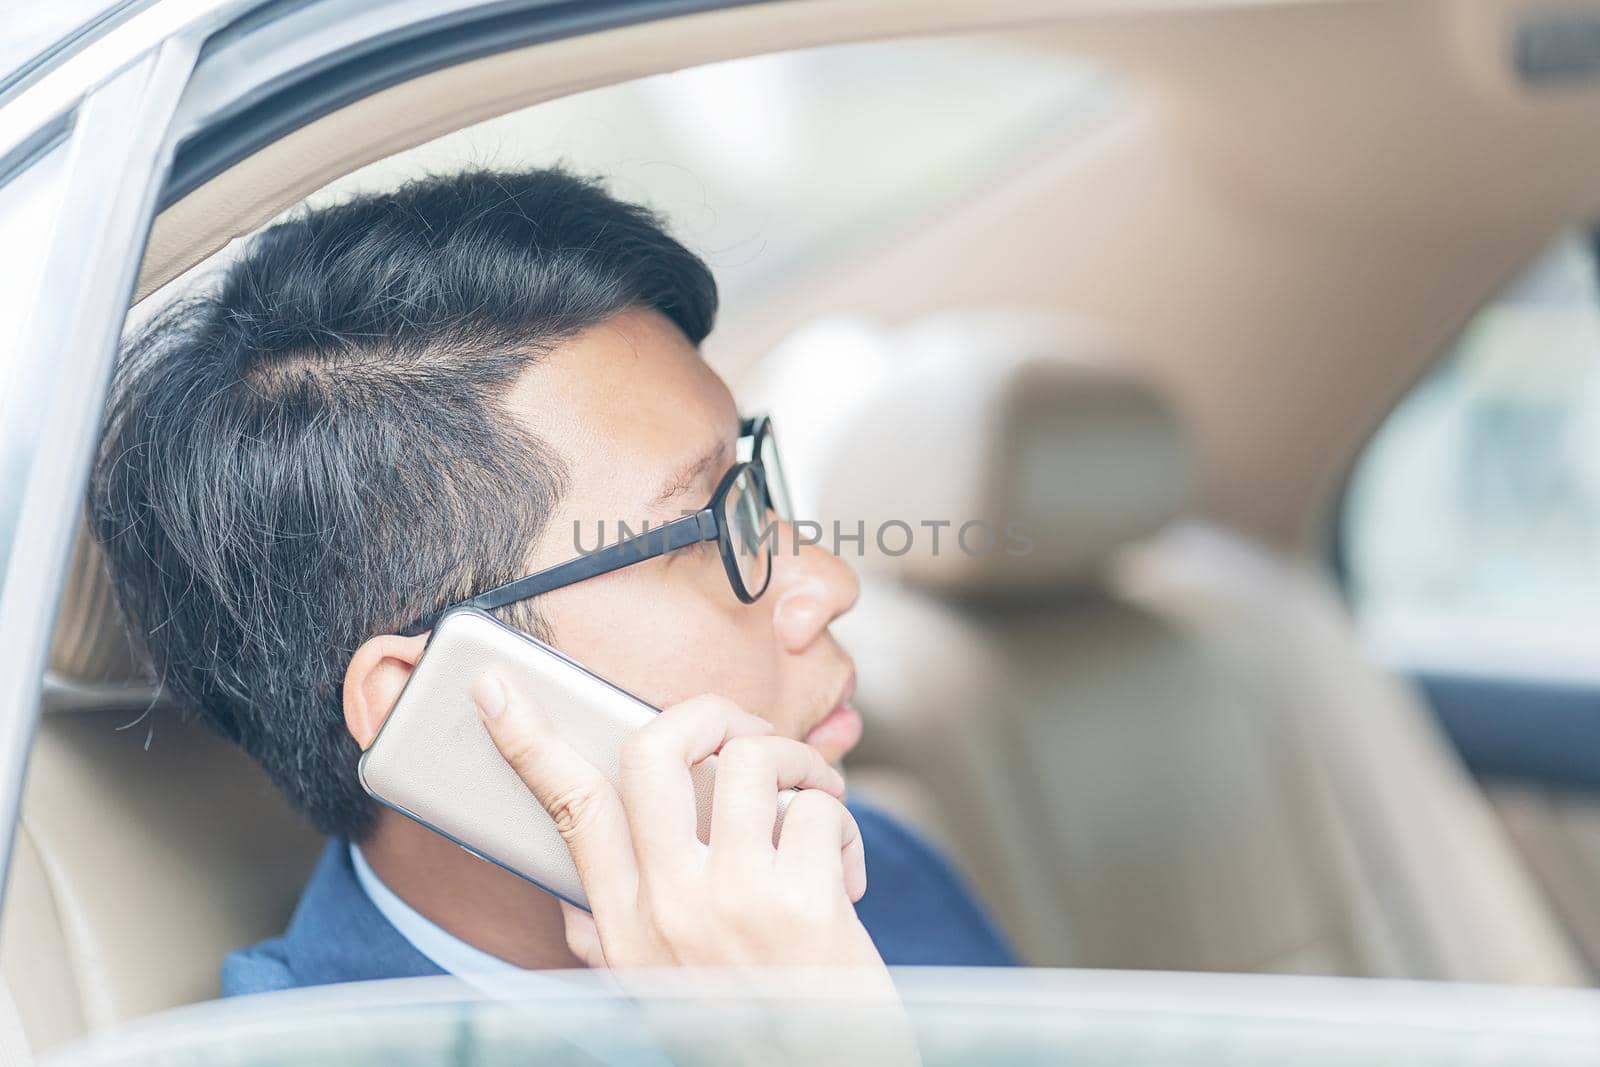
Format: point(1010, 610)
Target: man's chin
point(837, 734)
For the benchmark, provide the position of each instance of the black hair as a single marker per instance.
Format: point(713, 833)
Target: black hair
point(313, 451)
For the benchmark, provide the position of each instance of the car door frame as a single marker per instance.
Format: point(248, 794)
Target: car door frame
point(57, 350)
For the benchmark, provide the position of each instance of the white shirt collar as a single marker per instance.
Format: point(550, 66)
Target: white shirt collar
point(453, 955)
point(488, 974)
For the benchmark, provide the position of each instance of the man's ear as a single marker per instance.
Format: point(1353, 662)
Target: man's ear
point(372, 682)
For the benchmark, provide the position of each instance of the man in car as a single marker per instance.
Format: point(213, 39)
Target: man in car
point(391, 405)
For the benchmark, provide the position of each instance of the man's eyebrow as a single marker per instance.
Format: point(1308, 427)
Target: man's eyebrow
point(689, 475)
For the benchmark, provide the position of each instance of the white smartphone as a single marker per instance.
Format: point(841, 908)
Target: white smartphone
point(433, 759)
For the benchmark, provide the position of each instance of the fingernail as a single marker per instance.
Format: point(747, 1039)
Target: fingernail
point(489, 693)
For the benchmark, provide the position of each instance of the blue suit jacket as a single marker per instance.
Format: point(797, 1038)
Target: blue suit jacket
point(916, 909)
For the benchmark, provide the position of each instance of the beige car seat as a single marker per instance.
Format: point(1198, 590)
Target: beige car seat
point(1146, 751)
point(148, 847)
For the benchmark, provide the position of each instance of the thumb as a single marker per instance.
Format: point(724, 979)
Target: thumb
point(583, 936)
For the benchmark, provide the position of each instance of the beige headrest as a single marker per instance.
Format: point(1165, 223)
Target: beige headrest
point(1022, 425)
point(91, 648)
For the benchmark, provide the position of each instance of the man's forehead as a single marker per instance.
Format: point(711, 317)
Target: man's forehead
point(627, 403)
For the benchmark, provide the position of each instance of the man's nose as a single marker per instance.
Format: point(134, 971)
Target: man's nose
point(811, 587)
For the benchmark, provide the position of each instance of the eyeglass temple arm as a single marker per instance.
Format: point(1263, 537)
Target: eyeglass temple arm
point(679, 533)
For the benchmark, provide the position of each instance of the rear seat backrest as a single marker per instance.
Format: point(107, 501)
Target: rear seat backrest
point(1124, 786)
point(1440, 890)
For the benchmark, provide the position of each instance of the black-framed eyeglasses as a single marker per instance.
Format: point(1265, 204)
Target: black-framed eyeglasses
point(735, 518)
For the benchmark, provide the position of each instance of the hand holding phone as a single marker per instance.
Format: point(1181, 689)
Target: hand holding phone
point(659, 895)
point(692, 834)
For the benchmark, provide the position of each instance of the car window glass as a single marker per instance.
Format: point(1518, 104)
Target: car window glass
point(955, 1016)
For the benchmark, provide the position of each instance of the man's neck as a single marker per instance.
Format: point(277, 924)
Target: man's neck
point(488, 908)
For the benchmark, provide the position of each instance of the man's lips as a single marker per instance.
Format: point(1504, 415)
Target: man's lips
point(840, 729)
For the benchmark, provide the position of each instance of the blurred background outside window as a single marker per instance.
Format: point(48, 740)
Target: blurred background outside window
point(1472, 526)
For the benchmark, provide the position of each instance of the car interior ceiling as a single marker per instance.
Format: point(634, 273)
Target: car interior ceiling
point(1173, 752)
